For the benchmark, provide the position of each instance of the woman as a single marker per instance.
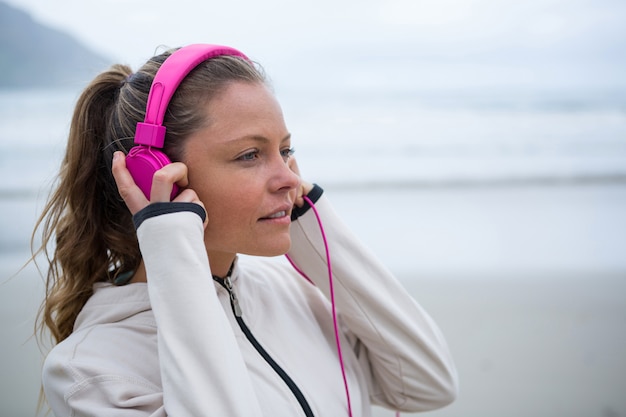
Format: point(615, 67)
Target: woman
point(154, 312)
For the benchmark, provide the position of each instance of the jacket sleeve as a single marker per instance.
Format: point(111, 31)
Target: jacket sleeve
point(202, 370)
point(410, 366)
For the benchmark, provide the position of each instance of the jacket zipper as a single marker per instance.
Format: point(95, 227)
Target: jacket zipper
point(234, 303)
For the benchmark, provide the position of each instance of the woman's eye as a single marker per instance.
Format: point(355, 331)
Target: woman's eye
point(248, 156)
point(286, 153)
point(255, 154)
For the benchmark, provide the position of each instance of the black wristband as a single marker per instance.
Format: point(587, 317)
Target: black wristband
point(157, 209)
point(313, 195)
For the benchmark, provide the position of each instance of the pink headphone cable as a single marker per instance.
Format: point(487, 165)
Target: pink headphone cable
point(332, 300)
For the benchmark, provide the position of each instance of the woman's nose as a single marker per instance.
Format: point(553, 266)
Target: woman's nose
point(284, 178)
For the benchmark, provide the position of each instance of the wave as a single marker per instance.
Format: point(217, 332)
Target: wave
point(495, 182)
point(415, 184)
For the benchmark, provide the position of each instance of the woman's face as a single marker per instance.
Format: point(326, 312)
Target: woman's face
point(238, 167)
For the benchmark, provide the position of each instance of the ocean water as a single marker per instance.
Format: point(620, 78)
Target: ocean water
point(572, 143)
point(502, 213)
point(410, 140)
point(425, 139)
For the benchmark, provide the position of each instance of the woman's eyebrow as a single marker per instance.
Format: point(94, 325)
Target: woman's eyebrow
point(259, 138)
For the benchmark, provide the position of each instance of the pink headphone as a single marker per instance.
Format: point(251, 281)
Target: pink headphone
point(145, 159)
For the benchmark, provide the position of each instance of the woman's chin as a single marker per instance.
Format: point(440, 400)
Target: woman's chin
point(276, 248)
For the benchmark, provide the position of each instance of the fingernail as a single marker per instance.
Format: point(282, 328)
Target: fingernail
point(116, 155)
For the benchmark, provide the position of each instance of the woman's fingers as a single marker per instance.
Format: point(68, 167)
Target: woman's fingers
point(164, 179)
point(133, 197)
point(304, 188)
point(162, 183)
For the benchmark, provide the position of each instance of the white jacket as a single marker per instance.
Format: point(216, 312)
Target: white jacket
point(173, 347)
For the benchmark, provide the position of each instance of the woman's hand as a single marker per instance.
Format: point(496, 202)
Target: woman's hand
point(304, 188)
point(162, 184)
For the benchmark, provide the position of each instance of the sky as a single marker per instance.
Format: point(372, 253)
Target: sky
point(354, 43)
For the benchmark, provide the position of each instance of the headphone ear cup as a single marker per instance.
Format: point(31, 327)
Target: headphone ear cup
point(142, 162)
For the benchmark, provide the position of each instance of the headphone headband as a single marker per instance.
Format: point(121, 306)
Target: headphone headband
point(169, 76)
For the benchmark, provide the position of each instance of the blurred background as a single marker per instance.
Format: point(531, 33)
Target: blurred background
point(478, 146)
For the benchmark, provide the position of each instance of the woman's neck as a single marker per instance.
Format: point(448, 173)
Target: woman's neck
point(221, 263)
point(140, 274)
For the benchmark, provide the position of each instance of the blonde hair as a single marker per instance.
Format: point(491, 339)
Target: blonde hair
point(87, 234)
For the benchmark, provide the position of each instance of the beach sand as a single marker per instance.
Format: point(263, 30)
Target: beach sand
point(540, 339)
point(541, 346)
point(20, 365)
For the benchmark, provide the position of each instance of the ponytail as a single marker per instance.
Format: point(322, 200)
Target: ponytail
point(85, 219)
